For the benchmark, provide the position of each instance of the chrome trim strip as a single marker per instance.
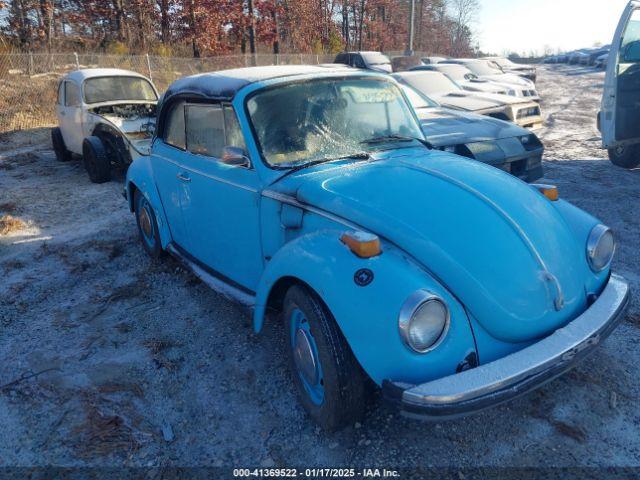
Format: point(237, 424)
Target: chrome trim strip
point(228, 291)
point(408, 310)
point(284, 198)
point(554, 354)
point(212, 177)
point(593, 241)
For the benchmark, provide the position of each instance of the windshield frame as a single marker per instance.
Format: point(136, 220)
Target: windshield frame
point(129, 100)
point(482, 64)
point(254, 134)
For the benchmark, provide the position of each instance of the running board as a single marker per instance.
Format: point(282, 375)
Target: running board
point(211, 279)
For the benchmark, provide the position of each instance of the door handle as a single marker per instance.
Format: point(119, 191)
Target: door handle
point(183, 177)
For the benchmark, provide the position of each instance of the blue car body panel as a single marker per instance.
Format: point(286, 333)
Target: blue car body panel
point(509, 263)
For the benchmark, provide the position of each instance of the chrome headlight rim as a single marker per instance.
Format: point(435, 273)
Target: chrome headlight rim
point(595, 236)
point(411, 305)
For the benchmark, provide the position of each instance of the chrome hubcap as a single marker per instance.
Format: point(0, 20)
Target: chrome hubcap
point(145, 223)
point(304, 357)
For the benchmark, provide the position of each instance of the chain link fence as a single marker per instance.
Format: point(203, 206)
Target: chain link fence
point(28, 82)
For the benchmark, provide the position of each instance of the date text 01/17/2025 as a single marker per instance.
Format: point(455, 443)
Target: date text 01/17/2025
point(316, 473)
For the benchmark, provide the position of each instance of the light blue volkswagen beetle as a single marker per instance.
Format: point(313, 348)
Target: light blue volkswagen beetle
point(310, 192)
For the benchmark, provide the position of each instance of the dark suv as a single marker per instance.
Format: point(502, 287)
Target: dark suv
point(366, 60)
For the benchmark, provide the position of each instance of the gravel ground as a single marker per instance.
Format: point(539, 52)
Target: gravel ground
point(137, 363)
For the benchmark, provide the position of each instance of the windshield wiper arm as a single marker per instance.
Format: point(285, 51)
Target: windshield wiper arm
point(353, 156)
point(396, 138)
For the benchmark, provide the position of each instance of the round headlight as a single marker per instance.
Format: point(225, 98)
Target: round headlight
point(600, 248)
point(423, 321)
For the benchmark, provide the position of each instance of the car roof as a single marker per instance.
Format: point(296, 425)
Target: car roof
point(86, 73)
point(224, 84)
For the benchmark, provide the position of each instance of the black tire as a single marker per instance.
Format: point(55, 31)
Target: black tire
point(60, 149)
point(625, 157)
point(96, 160)
point(344, 383)
point(147, 226)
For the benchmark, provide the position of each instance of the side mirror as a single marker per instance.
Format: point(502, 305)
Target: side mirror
point(235, 156)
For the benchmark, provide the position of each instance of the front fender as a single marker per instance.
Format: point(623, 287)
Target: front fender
point(368, 316)
point(581, 223)
point(140, 177)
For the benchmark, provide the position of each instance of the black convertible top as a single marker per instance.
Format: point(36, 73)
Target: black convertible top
point(223, 85)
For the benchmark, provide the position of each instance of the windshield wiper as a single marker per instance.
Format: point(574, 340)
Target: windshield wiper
point(396, 138)
point(302, 166)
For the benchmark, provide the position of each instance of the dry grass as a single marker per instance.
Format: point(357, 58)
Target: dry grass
point(125, 387)
point(11, 265)
point(8, 207)
point(577, 433)
point(10, 224)
point(159, 346)
point(101, 434)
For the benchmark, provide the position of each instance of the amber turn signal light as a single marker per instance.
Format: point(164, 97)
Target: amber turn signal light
point(549, 191)
point(364, 245)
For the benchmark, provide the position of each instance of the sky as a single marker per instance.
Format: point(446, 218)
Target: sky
point(523, 26)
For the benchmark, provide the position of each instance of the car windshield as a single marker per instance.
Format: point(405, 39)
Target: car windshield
point(108, 89)
point(457, 73)
point(376, 58)
point(429, 83)
point(482, 68)
point(417, 100)
point(302, 123)
point(502, 62)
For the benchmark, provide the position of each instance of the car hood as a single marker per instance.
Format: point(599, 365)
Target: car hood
point(496, 243)
point(445, 127)
point(482, 86)
point(509, 78)
point(469, 101)
point(501, 98)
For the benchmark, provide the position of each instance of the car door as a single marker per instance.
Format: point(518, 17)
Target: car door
point(167, 154)
point(620, 116)
point(222, 212)
point(70, 116)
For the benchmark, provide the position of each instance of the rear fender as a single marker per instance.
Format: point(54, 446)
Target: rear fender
point(368, 315)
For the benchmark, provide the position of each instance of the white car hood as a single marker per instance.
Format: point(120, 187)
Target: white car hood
point(469, 101)
point(509, 78)
point(483, 86)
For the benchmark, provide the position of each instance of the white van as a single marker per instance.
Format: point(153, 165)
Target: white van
point(619, 119)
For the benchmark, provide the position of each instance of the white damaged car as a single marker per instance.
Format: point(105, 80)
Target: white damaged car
point(107, 116)
point(619, 118)
point(439, 87)
point(468, 80)
point(488, 70)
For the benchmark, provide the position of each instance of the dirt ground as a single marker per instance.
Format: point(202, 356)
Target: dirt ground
point(110, 358)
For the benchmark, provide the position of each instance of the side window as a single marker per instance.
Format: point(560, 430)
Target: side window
point(630, 47)
point(232, 129)
point(358, 62)
point(174, 133)
point(61, 93)
point(71, 94)
point(205, 130)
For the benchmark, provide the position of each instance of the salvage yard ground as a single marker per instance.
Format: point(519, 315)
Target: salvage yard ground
point(110, 358)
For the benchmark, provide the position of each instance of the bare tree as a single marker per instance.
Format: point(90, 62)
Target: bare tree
point(464, 15)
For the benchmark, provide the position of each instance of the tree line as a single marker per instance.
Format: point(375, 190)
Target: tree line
point(217, 27)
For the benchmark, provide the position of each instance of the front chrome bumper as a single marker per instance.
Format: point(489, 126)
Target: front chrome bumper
point(502, 380)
